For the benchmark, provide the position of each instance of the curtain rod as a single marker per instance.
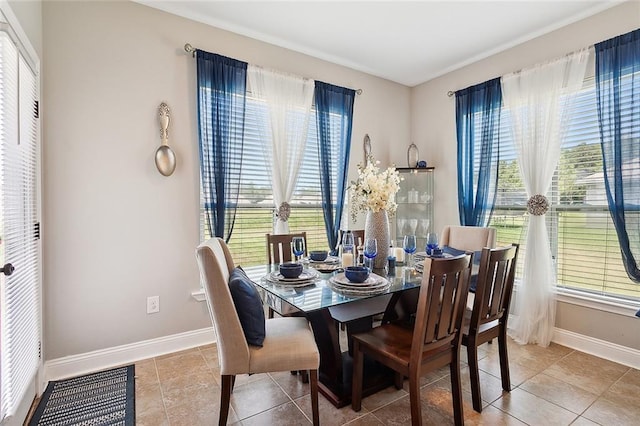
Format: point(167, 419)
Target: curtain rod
point(450, 93)
point(190, 49)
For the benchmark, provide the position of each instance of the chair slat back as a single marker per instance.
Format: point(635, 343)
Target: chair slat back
point(441, 303)
point(280, 244)
point(495, 285)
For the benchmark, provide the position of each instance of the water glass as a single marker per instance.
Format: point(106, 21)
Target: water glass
point(409, 245)
point(370, 251)
point(432, 242)
point(347, 240)
point(297, 245)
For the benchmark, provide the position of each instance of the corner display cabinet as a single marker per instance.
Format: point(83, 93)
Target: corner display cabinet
point(415, 206)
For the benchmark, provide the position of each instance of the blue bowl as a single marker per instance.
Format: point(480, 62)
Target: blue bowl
point(318, 255)
point(291, 270)
point(356, 274)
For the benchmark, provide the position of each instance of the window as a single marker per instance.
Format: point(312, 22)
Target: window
point(583, 238)
point(20, 296)
point(255, 211)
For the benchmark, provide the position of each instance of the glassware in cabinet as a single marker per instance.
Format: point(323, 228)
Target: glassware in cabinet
point(414, 215)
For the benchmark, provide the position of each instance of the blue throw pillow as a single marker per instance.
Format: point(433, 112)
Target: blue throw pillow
point(248, 306)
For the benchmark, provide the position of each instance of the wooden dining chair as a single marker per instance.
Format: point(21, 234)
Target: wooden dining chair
point(488, 318)
point(279, 251)
point(287, 343)
point(432, 342)
point(280, 244)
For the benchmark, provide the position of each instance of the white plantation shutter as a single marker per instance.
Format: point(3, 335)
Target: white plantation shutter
point(19, 292)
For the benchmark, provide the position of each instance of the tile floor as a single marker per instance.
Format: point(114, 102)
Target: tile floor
point(550, 386)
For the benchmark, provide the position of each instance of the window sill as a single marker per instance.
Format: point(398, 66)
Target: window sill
point(198, 295)
point(605, 304)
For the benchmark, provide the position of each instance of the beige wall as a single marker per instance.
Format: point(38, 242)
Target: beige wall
point(433, 130)
point(114, 230)
point(29, 13)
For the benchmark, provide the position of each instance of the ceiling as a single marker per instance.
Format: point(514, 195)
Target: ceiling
point(405, 42)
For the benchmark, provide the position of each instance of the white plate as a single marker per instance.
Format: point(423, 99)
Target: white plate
point(325, 267)
point(372, 280)
point(357, 292)
point(329, 260)
point(421, 255)
point(306, 277)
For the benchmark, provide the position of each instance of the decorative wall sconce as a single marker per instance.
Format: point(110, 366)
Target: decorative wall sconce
point(165, 158)
point(366, 145)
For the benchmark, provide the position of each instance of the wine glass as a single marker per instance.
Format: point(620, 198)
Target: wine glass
point(297, 245)
point(347, 241)
point(370, 251)
point(432, 242)
point(409, 245)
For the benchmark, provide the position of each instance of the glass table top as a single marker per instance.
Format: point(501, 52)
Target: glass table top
point(319, 295)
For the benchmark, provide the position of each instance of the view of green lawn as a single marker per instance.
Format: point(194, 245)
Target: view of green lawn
point(587, 253)
point(588, 256)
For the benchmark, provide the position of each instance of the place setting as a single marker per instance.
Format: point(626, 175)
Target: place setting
point(321, 261)
point(358, 281)
point(292, 275)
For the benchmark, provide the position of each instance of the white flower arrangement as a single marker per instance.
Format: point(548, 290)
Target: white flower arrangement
point(374, 189)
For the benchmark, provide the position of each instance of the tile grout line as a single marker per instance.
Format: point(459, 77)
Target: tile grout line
point(603, 392)
point(164, 405)
point(291, 399)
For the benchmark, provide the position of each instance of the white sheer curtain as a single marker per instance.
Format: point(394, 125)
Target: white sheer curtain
point(289, 99)
point(537, 100)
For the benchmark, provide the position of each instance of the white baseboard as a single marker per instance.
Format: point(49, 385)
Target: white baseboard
point(600, 348)
point(75, 365)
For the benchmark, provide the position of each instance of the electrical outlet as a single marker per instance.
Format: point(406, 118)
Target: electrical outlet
point(153, 304)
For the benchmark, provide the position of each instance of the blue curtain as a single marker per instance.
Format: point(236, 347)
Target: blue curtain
point(618, 93)
point(478, 128)
point(334, 109)
point(221, 113)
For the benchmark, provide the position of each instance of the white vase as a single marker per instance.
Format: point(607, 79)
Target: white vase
point(377, 226)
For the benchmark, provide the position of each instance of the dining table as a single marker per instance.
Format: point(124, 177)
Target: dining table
point(327, 304)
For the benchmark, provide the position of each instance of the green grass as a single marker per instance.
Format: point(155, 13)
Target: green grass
point(248, 241)
point(587, 252)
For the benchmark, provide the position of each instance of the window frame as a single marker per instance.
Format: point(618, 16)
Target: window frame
point(566, 293)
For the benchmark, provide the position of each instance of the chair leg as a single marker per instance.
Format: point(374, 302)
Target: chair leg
point(225, 398)
point(456, 391)
point(356, 381)
point(504, 358)
point(398, 379)
point(474, 374)
point(313, 378)
point(305, 376)
point(414, 399)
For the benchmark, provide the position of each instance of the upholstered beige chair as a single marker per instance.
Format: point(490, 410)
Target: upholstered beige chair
point(470, 238)
point(289, 343)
